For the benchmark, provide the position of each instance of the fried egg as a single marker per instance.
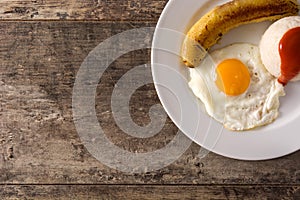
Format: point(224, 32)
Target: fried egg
point(235, 87)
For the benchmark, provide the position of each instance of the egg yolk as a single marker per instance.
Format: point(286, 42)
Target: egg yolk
point(233, 77)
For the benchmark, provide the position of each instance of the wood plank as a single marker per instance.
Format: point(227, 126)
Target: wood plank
point(39, 143)
point(148, 192)
point(137, 10)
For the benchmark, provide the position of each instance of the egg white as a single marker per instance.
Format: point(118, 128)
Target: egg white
point(257, 106)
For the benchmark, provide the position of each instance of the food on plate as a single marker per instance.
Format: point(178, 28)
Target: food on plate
point(210, 28)
point(235, 87)
point(280, 49)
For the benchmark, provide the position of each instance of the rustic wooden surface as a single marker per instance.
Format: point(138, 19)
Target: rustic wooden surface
point(42, 45)
point(107, 10)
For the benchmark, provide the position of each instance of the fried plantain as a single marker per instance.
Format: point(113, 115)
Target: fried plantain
point(212, 26)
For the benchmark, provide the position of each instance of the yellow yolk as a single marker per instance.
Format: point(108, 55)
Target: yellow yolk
point(233, 77)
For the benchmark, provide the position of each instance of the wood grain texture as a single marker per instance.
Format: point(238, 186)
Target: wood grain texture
point(39, 143)
point(148, 192)
point(42, 45)
point(137, 10)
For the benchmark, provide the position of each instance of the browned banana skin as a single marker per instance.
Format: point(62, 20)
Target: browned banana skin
point(213, 25)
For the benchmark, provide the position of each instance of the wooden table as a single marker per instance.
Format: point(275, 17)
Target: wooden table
point(43, 44)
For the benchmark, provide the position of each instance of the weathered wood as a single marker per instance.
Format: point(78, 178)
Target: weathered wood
point(41, 155)
point(148, 192)
point(39, 143)
point(137, 10)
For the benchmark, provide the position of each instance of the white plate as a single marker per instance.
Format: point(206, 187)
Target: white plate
point(170, 78)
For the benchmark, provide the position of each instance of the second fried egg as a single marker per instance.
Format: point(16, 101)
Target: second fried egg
point(235, 87)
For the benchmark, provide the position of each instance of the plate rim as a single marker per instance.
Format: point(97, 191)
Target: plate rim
point(160, 25)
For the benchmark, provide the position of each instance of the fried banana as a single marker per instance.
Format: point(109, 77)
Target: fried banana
point(213, 25)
